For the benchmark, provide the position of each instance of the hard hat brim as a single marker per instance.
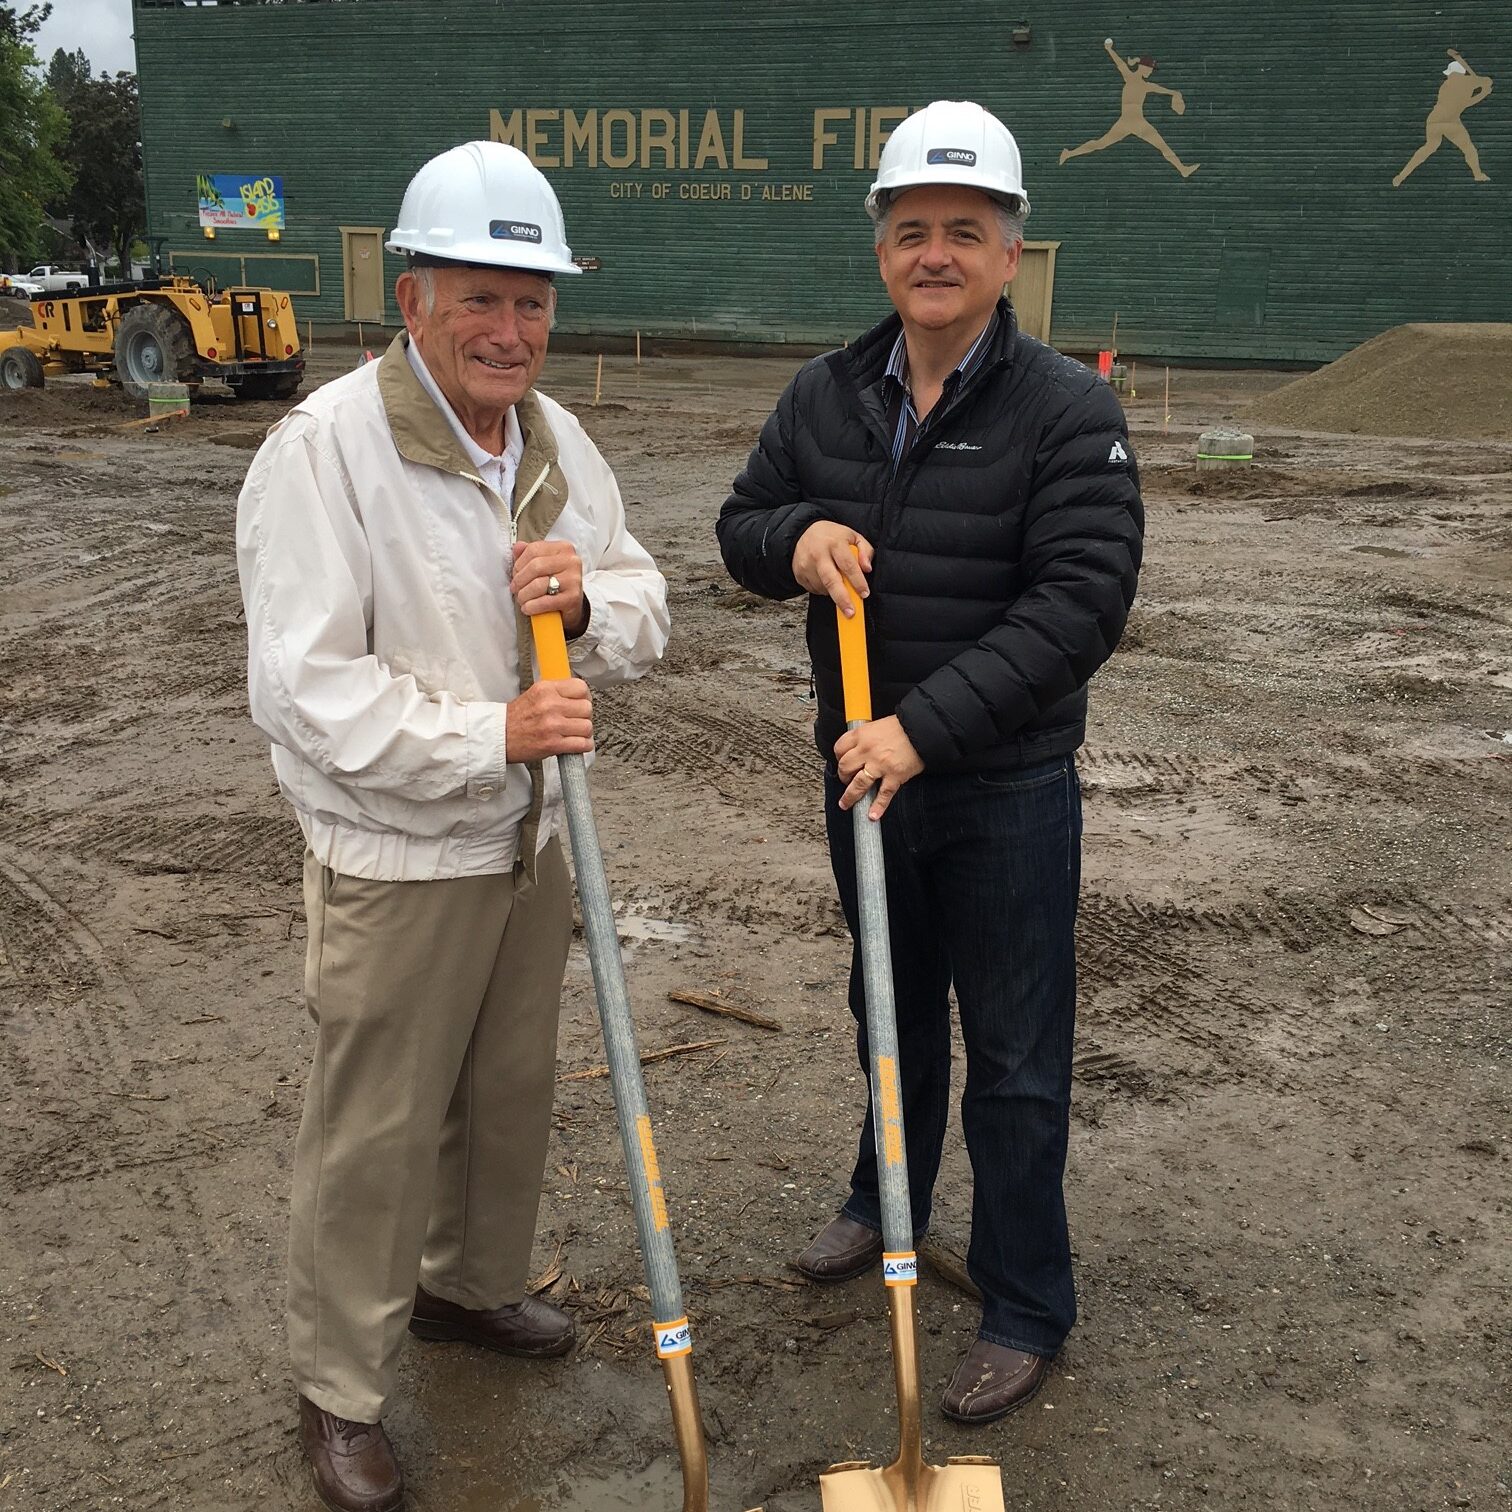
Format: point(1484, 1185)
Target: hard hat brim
point(524, 259)
point(881, 196)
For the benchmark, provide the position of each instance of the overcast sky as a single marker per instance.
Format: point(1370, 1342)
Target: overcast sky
point(101, 27)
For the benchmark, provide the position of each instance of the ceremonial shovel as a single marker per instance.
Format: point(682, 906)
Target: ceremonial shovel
point(674, 1342)
point(964, 1484)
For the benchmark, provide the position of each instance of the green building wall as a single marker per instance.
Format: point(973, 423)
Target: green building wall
point(719, 182)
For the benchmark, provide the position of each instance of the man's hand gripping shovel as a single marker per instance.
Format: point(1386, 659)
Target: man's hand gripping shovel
point(674, 1343)
point(908, 1484)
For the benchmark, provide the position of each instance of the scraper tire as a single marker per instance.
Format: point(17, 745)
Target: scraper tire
point(19, 369)
point(153, 345)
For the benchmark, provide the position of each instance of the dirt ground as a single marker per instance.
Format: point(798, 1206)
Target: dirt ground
point(1290, 1153)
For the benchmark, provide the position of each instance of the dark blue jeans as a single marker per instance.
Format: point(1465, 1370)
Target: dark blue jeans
point(983, 873)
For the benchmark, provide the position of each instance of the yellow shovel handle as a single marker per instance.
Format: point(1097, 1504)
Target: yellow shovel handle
point(854, 672)
point(551, 646)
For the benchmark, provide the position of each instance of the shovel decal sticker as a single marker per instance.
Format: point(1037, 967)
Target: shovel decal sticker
point(892, 1113)
point(653, 1173)
point(673, 1338)
point(900, 1270)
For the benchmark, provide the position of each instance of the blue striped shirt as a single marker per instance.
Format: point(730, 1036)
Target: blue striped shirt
point(901, 414)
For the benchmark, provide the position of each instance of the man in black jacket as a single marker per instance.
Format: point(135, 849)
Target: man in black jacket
point(980, 493)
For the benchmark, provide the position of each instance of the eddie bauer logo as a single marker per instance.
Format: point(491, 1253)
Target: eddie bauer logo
point(514, 231)
point(956, 446)
point(963, 157)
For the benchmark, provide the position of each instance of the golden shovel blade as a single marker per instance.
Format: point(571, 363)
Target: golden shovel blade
point(967, 1483)
point(964, 1483)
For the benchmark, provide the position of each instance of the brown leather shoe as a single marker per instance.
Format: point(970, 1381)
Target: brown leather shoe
point(352, 1464)
point(992, 1380)
point(532, 1328)
point(841, 1249)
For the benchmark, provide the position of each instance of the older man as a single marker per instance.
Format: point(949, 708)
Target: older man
point(395, 533)
point(979, 492)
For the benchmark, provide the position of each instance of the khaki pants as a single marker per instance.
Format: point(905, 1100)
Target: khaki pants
point(426, 1114)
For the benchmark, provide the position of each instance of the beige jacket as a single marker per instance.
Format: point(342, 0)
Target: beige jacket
point(383, 640)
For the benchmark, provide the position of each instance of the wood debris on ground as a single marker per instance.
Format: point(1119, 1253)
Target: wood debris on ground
point(648, 1058)
point(713, 1003)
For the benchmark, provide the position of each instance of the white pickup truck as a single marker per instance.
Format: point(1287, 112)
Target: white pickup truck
point(55, 280)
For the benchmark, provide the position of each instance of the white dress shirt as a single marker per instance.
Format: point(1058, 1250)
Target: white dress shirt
point(497, 472)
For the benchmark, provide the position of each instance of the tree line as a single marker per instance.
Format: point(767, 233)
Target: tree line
point(70, 148)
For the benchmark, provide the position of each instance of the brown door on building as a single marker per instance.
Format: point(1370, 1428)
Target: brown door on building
point(1033, 288)
point(362, 272)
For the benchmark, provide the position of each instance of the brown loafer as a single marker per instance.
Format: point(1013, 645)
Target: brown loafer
point(842, 1249)
point(533, 1329)
point(352, 1464)
point(991, 1381)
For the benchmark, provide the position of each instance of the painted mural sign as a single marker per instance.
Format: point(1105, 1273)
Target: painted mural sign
point(235, 202)
point(727, 141)
point(697, 141)
point(1462, 88)
point(1131, 121)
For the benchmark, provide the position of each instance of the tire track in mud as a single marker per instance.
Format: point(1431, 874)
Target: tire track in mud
point(1147, 1002)
point(207, 686)
point(20, 548)
point(73, 1053)
point(1125, 771)
point(665, 732)
point(83, 565)
point(763, 910)
point(60, 1000)
point(61, 688)
point(37, 948)
point(1156, 780)
point(146, 840)
point(69, 1015)
point(260, 1440)
point(60, 691)
point(95, 542)
point(1303, 925)
point(93, 1150)
point(1153, 1020)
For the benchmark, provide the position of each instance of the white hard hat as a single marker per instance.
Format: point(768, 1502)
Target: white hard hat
point(484, 202)
point(1455, 67)
point(951, 142)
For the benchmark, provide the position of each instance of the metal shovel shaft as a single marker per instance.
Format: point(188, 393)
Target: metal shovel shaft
point(900, 1264)
point(623, 1053)
point(674, 1345)
point(882, 1030)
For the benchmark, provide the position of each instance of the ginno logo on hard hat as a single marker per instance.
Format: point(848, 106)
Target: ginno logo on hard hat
point(962, 156)
point(514, 231)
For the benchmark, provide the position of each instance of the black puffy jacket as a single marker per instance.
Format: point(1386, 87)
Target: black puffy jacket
point(1007, 545)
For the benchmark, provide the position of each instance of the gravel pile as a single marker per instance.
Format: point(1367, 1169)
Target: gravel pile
point(1444, 382)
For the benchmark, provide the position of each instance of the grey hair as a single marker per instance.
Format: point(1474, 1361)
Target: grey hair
point(425, 276)
point(1010, 218)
